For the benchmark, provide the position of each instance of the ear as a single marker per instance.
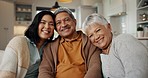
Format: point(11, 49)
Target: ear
point(109, 27)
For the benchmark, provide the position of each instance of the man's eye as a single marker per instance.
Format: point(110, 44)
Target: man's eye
point(57, 23)
point(66, 19)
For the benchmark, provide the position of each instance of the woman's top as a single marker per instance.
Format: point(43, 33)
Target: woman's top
point(21, 59)
point(35, 59)
point(127, 58)
point(16, 58)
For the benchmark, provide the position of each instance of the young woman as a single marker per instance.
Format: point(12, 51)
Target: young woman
point(23, 54)
point(122, 56)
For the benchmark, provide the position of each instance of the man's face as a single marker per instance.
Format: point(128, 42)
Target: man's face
point(65, 25)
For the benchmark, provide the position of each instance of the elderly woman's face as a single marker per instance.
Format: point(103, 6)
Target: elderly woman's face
point(99, 35)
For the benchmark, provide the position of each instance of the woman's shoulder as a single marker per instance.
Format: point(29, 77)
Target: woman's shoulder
point(18, 40)
point(125, 37)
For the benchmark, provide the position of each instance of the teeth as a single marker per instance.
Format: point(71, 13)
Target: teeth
point(64, 29)
point(99, 40)
point(46, 31)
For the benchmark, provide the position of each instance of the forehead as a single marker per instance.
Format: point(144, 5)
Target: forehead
point(47, 17)
point(62, 15)
point(92, 27)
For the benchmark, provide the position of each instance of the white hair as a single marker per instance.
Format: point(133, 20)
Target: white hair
point(64, 9)
point(93, 19)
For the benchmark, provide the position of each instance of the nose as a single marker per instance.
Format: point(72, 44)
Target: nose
point(63, 24)
point(46, 25)
point(96, 36)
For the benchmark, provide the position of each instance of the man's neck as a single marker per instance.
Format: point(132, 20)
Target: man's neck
point(75, 34)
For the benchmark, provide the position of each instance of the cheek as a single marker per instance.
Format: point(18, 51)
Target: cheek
point(92, 40)
point(52, 29)
point(40, 27)
point(58, 28)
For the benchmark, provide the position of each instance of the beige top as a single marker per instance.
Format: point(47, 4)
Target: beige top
point(18, 62)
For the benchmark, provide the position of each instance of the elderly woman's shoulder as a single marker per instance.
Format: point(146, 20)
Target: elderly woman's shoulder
point(125, 37)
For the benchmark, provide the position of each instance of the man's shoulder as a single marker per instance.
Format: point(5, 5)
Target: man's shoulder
point(57, 39)
point(54, 42)
point(82, 34)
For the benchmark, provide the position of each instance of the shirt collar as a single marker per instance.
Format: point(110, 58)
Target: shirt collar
point(78, 37)
point(30, 41)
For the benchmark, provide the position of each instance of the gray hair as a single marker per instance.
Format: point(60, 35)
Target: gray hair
point(94, 18)
point(64, 9)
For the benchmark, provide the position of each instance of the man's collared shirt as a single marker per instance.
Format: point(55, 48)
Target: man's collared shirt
point(71, 63)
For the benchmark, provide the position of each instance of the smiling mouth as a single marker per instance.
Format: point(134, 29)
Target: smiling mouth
point(99, 40)
point(65, 28)
point(46, 31)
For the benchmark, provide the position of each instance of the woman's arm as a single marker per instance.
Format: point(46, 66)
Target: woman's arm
point(134, 57)
point(8, 66)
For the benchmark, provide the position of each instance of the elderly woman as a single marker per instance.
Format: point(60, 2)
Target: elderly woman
point(122, 56)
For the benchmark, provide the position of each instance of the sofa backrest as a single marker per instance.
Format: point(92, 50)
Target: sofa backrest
point(1, 54)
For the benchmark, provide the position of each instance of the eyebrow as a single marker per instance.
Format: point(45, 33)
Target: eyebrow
point(63, 18)
point(43, 20)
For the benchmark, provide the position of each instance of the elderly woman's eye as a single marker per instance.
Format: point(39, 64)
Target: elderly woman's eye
point(98, 30)
point(90, 36)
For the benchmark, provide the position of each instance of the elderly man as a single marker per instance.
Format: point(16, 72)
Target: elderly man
point(71, 55)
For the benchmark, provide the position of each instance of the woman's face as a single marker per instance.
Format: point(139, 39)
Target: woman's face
point(46, 27)
point(99, 35)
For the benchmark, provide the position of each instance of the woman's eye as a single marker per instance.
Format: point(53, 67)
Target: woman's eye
point(51, 24)
point(43, 22)
point(90, 36)
point(98, 30)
